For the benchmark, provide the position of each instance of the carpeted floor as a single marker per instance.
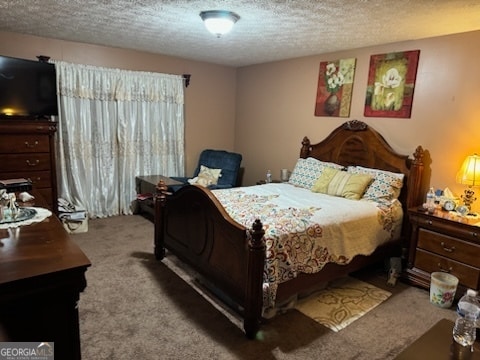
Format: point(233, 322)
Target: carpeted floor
point(137, 307)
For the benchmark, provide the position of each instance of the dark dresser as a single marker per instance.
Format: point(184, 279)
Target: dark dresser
point(27, 150)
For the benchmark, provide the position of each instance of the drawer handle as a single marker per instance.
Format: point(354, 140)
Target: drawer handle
point(444, 270)
point(474, 235)
point(28, 145)
point(428, 222)
point(447, 249)
point(32, 164)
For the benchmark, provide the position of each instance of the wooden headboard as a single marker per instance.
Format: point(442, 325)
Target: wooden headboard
point(355, 143)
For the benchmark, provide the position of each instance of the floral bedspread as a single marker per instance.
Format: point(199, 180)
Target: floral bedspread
point(305, 230)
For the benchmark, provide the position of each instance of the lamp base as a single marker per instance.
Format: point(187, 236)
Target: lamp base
point(468, 197)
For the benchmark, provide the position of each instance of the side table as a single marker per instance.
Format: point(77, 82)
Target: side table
point(145, 187)
point(443, 241)
point(263, 182)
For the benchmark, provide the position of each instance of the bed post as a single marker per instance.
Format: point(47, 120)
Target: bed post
point(254, 289)
point(415, 179)
point(305, 150)
point(160, 200)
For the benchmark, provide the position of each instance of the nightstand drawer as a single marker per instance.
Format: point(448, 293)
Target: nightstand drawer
point(448, 246)
point(24, 143)
point(458, 229)
point(468, 275)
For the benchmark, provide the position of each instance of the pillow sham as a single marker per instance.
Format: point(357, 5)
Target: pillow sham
point(307, 171)
point(386, 184)
point(206, 176)
point(341, 183)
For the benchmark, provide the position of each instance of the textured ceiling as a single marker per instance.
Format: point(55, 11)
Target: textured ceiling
point(267, 30)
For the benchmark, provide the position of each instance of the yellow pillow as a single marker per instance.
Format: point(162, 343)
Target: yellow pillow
point(341, 183)
point(206, 176)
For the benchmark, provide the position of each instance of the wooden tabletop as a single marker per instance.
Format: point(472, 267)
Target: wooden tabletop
point(437, 343)
point(38, 249)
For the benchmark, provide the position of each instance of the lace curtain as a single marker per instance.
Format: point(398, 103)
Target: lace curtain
point(114, 125)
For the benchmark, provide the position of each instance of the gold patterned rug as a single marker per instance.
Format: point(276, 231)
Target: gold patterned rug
point(342, 302)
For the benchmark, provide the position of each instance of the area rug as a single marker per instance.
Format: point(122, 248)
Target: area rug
point(342, 302)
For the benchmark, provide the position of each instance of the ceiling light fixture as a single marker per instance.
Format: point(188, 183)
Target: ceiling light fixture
point(219, 22)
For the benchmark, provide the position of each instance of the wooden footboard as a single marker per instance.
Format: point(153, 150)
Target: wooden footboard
point(194, 226)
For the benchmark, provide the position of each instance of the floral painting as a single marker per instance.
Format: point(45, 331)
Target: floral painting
point(334, 91)
point(391, 81)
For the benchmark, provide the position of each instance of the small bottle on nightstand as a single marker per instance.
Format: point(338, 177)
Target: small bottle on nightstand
point(430, 200)
point(269, 177)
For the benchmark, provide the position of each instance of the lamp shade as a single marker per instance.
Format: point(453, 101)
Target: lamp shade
point(469, 173)
point(219, 22)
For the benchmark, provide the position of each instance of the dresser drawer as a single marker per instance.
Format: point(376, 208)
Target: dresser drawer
point(25, 162)
point(450, 247)
point(468, 275)
point(27, 143)
point(39, 179)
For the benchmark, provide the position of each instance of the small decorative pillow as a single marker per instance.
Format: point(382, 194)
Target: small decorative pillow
point(340, 183)
point(386, 184)
point(307, 171)
point(206, 176)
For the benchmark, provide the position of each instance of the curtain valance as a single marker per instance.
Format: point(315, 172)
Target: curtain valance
point(97, 83)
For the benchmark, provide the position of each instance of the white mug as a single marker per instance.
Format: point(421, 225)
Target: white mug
point(284, 174)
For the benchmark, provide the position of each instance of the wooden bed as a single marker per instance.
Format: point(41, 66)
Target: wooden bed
point(194, 226)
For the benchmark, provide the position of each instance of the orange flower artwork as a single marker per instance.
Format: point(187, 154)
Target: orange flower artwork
point(335, 85)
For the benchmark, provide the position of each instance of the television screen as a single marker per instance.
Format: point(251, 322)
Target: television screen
point(27, 88)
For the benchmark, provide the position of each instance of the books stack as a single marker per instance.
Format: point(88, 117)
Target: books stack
point(16, 185)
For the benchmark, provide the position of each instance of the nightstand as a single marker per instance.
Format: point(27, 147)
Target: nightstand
point(443, 241)
point(263, 182)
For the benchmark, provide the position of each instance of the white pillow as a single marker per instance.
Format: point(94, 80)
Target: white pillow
point(206, 176)
point(386, 184)
point(307, 171)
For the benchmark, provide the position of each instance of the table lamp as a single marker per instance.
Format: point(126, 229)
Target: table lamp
point(469, 175)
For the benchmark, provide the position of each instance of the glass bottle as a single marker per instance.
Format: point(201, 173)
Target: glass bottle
point(430, 200)
point(269, 177)
point(468, 309)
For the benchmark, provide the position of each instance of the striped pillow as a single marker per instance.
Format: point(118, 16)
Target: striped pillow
point(340, 183)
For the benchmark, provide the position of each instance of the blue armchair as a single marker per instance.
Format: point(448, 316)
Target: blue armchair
point(229, 162)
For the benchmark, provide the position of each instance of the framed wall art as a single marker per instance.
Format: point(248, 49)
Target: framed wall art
point(391, 81)
point(334, 90)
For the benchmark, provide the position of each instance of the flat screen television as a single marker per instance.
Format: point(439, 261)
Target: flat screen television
point(27, 88)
